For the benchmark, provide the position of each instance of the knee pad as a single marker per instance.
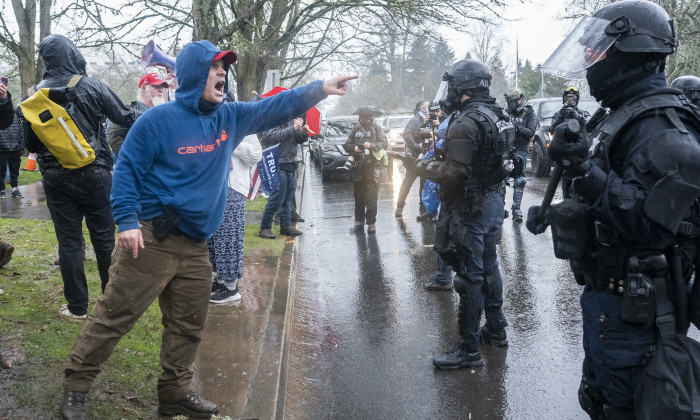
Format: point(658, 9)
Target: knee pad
point(463, 286)
point(519, 182)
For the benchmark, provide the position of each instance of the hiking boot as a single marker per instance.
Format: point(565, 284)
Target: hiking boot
point(458, 357)
point(74, 405)
point(16, 194)
point(223, 295)
point(297, 218)
point(2, 194)
point(495, 338)
point(65, 313)
point(423, 215)
point(191, 405)
point(517, 215)
point(371, 228)
point(6, 251)
point(399, 211)
point(437, 286)
point(290, 231)
point(266, 234)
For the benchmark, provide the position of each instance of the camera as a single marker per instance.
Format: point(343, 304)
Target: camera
point(349, 164)
point(4, 80)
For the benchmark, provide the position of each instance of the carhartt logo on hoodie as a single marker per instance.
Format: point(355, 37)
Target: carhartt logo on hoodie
point(203, 148)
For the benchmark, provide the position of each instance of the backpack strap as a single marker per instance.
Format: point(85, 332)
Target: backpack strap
point(71, 83)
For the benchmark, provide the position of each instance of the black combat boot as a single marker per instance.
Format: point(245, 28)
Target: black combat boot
point(468, 318)
point(191, 405)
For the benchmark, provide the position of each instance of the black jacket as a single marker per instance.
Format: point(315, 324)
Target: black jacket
point(94, 100)
point(525, 122)
point(117, 133)
point(7, 114)
point(365, 163)
point(288, 139)
point(414, 133)
point(566, 113)
point(12, 137)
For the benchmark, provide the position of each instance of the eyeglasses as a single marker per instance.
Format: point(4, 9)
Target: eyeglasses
point(159, 88)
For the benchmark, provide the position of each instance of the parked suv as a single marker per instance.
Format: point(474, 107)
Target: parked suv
point(393, 126)
point(545, 108)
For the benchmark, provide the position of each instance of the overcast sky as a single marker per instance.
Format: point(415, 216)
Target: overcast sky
point(535, 26)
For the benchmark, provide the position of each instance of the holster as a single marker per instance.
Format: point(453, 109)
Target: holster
point(573, 233)
point(164, 224)
point(452, 238)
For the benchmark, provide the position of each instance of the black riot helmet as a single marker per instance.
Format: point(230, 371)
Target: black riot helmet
point(690, 86)
point(620, 44)
point(466, 75)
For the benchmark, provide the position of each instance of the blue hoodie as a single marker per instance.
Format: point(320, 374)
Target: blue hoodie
point(177, 156)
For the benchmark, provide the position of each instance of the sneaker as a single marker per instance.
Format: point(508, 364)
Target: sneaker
point(191, 405)
point(6, 251)
point(223, 295)
point(290, 231)
point(17, 194)
point(65, 313)
point(266, 234)
point(495, 338)
point(437, 286)
point(216, 286)
point(458, 357)
point(371, 228)
point(297, 218)
point(74, 405)
point(2, 194)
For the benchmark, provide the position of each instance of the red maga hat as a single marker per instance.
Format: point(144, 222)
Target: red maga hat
point(152, 79)
point(229, 57)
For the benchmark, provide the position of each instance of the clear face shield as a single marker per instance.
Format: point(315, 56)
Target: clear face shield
point(586, 45)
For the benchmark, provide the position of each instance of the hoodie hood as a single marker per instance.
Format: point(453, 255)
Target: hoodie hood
point(61, 57)
point(192, 70)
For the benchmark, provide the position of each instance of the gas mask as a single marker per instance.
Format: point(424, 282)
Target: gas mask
point(366, 121)
point(450, 101)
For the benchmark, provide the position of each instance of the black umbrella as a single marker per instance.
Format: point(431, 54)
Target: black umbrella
point(374, 110)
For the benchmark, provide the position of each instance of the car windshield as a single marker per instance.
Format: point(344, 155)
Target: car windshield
point(339, 128)
point(589, 105)
point(399, 122)
point(548, 108)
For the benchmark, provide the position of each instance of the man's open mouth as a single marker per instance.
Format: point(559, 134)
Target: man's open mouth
point(220, 87)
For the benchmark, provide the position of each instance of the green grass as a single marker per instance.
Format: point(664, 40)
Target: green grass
point(256, 205)
point(32, 294)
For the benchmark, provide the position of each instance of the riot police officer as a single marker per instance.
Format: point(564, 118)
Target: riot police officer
point(690, 86)
point(471, 175)
point(525, 123)
point(636, 197)
point(569, 110)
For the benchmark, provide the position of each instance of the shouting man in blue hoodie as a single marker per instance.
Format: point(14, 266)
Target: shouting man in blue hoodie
point(168, 196)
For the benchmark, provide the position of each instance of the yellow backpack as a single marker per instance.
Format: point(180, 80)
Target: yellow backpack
point(47, 110)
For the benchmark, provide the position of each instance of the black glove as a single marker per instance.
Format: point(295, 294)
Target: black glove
point(569, 148)
point(534, 223)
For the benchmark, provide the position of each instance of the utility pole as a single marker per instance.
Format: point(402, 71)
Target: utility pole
point(542, 83)
point(517, 62)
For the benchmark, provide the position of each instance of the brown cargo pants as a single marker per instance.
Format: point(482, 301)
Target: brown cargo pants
point(177, 272)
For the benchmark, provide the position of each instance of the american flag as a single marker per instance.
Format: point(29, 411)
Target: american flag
point(254, 182)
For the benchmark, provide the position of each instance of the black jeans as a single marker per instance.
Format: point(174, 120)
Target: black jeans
point(13, 160)
point(72, 195)
point(366, 193)
point(408, 181)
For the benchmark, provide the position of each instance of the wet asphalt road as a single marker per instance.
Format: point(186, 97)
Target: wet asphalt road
point(364, 330)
